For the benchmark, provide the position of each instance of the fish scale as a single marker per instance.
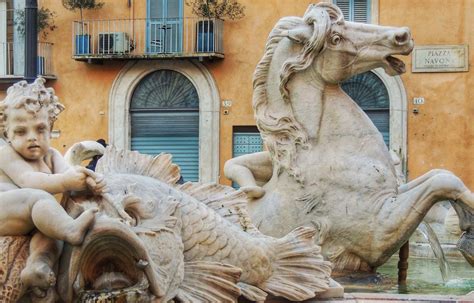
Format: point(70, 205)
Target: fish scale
point(233, 245)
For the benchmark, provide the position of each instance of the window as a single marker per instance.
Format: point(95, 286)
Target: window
point(164, 26)
point(355, 10)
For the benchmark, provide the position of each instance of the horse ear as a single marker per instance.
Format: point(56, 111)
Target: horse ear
point(300, 35)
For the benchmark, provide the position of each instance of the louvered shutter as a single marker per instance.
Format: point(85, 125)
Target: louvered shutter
point(355, 10)
point(345, 6)
point(361, 11)
point(164, 115)
point(167, 132)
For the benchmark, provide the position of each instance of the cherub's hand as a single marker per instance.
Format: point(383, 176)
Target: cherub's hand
point(96, 183)
point(75, 178)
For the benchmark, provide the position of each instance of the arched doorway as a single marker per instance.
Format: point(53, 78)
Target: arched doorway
point(164, 116)
point(123, 89)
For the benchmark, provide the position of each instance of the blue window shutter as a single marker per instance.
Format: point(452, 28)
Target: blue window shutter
point(345, 6)
point(361, 11)
point(246, 142)
point(355, 10)
point(167, 132)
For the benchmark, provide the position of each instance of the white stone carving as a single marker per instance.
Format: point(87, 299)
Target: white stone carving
point(327, 165)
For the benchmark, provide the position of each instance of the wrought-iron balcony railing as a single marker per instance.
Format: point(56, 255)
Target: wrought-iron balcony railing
point(12, 59)
point(147, 38)
point(12, 48)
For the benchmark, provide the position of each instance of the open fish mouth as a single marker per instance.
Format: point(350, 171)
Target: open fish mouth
point(109, 263)
point(112, 263)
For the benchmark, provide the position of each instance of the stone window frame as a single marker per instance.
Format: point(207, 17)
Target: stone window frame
point(120, 97)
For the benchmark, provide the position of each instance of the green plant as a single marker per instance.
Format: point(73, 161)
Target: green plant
point(81, 5)
point(220, 9)
point(45, 21)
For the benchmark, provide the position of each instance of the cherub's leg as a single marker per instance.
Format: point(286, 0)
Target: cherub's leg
point(249, 169)
point(22, 209)
point(52, 220)
point(44, 253)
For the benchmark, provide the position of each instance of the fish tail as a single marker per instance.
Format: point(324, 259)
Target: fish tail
point(299, 271)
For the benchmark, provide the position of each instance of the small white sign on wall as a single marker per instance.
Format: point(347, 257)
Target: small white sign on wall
point(227, 103)
point(440, 58)
point(418, 100)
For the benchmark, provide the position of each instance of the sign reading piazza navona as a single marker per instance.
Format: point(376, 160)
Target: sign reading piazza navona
point(440, 58)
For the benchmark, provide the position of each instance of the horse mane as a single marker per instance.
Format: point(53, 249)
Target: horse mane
point(282, 133)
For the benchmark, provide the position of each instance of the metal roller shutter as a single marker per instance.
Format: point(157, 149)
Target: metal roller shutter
point(176, 133)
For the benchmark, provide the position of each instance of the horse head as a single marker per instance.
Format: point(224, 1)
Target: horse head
point(306, 56)
point(337, 49)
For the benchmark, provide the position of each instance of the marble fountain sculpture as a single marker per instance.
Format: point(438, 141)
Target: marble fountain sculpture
point(136, 236)
point(326, 165)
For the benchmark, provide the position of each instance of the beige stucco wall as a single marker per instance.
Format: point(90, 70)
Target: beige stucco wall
point(440, 136)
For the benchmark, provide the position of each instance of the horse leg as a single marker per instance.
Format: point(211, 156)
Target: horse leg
point(398, 218)
point(412, 184)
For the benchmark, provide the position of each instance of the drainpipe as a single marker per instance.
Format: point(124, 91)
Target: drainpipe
point(31, 40)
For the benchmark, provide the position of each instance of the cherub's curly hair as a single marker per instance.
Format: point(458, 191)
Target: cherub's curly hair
point(32, 97)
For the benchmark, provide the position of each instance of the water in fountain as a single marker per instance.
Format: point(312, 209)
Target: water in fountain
point(432, 239)
point(424, 276)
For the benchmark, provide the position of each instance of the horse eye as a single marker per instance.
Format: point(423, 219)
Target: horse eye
point(335, 39)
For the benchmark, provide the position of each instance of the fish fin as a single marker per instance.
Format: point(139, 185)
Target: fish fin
point(229, 203)
point(299, 271)
point(209, 282)
point(252, 293)
point(131, 162)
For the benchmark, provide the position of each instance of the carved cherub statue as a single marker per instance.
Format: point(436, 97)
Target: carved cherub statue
point(30, 172)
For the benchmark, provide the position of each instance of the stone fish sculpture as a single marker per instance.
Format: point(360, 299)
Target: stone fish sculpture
point(191, 242)
point(327, 165)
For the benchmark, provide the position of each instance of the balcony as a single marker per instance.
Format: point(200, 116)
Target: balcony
point(12, 48)
point(124, 39)
point(12, 61)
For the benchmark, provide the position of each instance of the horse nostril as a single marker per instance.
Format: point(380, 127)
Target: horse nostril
point(402, 37)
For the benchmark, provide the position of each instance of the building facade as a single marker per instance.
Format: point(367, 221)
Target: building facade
point(148, 75)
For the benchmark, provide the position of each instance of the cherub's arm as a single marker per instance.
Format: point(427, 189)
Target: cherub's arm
point(59, 163)
point(24, 176)
point(250, 171)
point(95, 182)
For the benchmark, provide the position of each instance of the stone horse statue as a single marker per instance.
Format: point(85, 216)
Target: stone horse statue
point(327, 165)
